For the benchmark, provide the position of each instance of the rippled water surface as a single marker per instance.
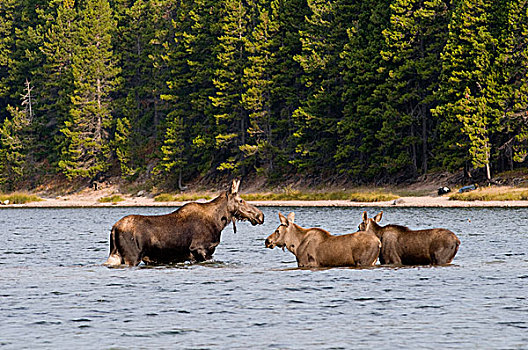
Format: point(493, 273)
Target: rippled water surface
point(55, 293)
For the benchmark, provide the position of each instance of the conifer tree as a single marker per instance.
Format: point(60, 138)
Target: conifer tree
point(415, 39)
point(287, 88)
point(55, 76)
point(359, 154)
point(231, 117)
point(19, 54)
point(190, 126)
point(140, 34)
point(86, 145)
point(258, 82)
point(122, 147)
point(13, 153)
point(323, 38)
point(469, 87)
point(513, 62)
point(7, 16)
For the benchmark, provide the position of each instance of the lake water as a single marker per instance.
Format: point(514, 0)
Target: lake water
point(55, 293)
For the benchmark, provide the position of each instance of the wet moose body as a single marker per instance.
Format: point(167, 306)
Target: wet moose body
point(190, 233)
point(315, 247)
point(403, 246)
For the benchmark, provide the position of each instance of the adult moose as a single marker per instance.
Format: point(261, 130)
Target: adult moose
point(403, 246)
point(315, 247)
point(190, 233)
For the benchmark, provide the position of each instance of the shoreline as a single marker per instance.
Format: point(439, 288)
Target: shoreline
point(76, 201)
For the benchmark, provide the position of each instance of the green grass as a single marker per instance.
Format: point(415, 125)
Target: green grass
point(111, 199)
point(412, 193)
point(492, 194)
point(288, 195)
point(314, 196)
point(19, 198)
point(167, 197)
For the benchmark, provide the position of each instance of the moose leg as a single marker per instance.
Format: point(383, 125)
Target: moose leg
point(202, 252)
point(389, 253)
point(369, 257)
point(129, 248)
point(114, 259)
point(445, 253)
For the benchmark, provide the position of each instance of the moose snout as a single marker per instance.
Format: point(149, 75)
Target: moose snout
point(258, 219)
point(268, 243)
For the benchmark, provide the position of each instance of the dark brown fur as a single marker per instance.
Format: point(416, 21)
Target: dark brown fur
point(403, 246)
point(190, 233)
point(315, 247)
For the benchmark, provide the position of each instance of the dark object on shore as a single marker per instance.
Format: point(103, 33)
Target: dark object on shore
point(443, 190)
point(93, 185)
point(468, 188)
point(190, 233)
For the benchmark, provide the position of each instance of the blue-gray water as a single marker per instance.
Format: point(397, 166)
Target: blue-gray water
point(54, 293)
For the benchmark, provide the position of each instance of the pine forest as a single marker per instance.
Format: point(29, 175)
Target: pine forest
point(379, 91)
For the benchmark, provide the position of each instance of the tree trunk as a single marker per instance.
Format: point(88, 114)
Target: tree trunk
point(98, 131)
point(424, 142)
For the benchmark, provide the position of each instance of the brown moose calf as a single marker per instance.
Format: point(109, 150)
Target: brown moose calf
point(403, 246)
point(315, 247)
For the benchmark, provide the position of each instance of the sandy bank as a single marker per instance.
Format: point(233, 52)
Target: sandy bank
point(91, 200)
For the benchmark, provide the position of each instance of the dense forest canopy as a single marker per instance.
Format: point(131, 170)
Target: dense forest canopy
point(380, 90)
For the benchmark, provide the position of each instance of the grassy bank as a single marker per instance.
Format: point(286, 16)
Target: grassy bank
point(111, 199)
point(319, 196)
point(492, 194)
point(19, 198)
point(167, 197)
point(290, 195)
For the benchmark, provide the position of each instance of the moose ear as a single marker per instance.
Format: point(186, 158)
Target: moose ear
point(365, 217)
point(377, 218)
point(234, 186)
point(283, 219)
point(291, 217)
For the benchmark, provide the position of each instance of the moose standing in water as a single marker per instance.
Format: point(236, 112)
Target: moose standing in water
point(403, 246)
point(190, 233)
point(315, 247)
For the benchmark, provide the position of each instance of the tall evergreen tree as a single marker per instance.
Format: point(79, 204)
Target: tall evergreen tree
point(122, 146)
point(7, 17)
point(469, 87)
point(258, 82)
point(513, 62)
point(13, 153)
point(191, 57)
point(415, 39)
point(323, 39)
point(143, 27)
point(231, 116)
point(86, 145)
point(359, 153)
point(20, 57)
point(55, 76)
point(288, 87)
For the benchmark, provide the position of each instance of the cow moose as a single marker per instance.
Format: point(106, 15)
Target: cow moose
point(190, 233)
